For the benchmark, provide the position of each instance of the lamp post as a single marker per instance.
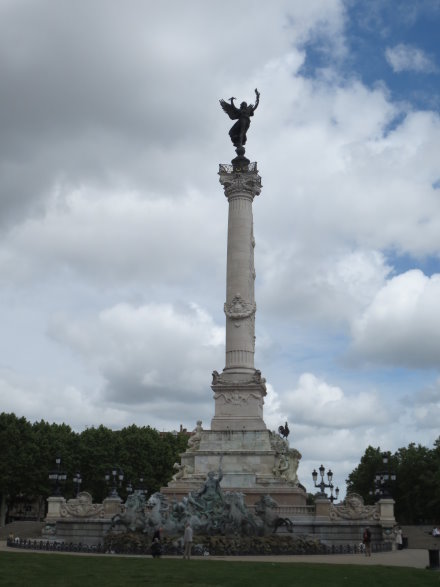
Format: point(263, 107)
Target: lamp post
point(383, 479)
point(57, 477)
point(141, 485)
point(77, 480)
point(114, 478)
point(323, 485)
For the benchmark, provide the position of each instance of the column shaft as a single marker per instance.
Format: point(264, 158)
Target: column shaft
point(239, 390)
point(240, 298)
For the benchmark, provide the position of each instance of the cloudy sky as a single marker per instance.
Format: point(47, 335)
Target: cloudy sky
point(113, 222)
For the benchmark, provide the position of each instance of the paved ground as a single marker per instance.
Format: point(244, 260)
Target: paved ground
point(403, 558)
point(399, 558)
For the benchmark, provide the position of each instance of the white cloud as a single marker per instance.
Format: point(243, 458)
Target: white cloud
point(148, 353)
point(403, 57)
point(113, 239)
point(139, 92)
point(401, 326)
point(333, 288)
point(42, 399)
point(425, 407)
point(315, 402)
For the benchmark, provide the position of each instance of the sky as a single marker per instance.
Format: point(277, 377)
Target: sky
point(113, 223)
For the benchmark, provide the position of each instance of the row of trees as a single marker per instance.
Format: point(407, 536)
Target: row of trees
point(28, 453)
point(416, 489)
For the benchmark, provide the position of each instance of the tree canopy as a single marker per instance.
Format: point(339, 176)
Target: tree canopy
point(416, 488)
point(29, 452)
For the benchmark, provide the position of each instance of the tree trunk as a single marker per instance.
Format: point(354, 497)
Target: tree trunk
point(3, 510)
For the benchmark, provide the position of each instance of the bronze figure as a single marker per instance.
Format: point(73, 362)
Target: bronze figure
point(243, 117)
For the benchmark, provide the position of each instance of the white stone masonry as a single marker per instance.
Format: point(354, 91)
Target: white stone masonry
point(240, 389)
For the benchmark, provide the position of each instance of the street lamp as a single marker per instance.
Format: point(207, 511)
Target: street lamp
point(383, 479)
point(77, 480)
point(115, 478)
point(57, 477)
point(323, 485)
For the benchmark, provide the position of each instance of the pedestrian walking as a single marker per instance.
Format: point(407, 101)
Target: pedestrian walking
point(156, 545)
point(399, 538)
point(187, 541)
point(366, 539)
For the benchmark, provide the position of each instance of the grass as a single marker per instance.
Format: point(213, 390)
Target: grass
point(61, 570)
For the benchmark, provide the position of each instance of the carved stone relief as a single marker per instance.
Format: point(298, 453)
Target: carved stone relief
point(238, 309)
point(194, 440)
point(236, 398)
point(256, 379)
point(353, 508)
point(82, 507)
point(286, 460)
point(182, 471)
point(278, 444)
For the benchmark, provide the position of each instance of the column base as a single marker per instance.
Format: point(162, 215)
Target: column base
point(239, 399)
point(249, 462)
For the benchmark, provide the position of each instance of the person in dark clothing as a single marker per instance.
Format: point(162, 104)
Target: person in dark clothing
point(366, 539)
point(156, 545)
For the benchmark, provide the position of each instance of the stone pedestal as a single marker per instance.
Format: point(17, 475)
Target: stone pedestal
point(111, 506)
point(322, 507)
point(255, 463)
point(238, 401)
point(54, 505)
point(386, 512)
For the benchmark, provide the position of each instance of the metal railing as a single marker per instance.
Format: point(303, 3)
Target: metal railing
point(296, 510)
point(53, 545)
point(228, 168)
point(172, 549)
point(286, 511)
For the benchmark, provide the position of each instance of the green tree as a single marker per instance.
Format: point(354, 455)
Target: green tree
point(146, 452)
point(29, 452)
point(361, 480)
point(16, 464)
point(415, 484)
point(52, 441)
point(415, 491)
point(137, 451)
point(97, 453)
point(434, 499)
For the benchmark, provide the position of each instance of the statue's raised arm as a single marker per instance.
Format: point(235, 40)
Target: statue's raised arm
point(243, 117)
point(257, 101)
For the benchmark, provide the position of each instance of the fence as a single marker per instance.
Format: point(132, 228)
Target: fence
point(54, 546)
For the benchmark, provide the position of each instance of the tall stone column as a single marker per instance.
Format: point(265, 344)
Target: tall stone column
point(239, 390)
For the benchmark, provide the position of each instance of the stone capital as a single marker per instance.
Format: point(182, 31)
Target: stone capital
point(244, 183)
point(230, 382)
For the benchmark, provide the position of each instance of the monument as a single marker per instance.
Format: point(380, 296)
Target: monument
point(238, 462)
point(239, 447)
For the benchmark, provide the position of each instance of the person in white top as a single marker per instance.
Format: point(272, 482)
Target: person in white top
point(187, 541)
point(399, 538)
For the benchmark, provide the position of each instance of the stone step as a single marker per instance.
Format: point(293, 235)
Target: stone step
point(421, 537)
